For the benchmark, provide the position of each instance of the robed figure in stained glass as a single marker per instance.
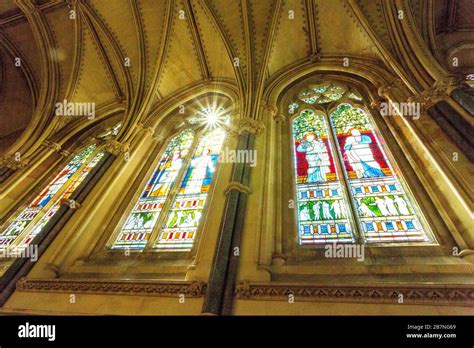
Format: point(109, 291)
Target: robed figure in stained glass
point(317, 157)
point(201, 167)
point(167, 175)
point(360, 156)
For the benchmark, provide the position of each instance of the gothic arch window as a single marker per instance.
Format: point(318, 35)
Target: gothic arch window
point(21, 229)
point(168, 212)
point(347, 188)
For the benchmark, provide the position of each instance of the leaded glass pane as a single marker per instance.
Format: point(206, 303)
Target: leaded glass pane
point(28, 214)
point(141, 221)
point(322, 211)
point(384, 208)
point(183, 219)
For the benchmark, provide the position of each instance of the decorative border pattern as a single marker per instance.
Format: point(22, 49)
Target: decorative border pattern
point(413, 294)
point(138, 287)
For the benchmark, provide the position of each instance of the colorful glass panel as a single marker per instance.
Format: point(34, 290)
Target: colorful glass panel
point(27, 215)
point(321, 207)
point(183, 219)
point(65, 195)
point(383, 206)
point(139, 225)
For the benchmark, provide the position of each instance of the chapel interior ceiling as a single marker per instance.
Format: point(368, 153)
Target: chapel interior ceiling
point(117, 50)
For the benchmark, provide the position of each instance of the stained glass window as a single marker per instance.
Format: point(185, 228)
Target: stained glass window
point(186, 209)
point(321, 208)
point(383, 207)
point(32, 219)
point(174, 210)
point(384, 211)
point(139, 225)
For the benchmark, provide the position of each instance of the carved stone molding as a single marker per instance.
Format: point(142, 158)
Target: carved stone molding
point(234, 185)
point(103, 286)
point(387, 293)
point(252, 126)
point(115, 147)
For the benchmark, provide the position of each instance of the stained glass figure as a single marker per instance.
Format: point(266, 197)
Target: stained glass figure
point(41, 202)
point(321, 207)
point(141, 221)
point(187, 208)
point(383, 206)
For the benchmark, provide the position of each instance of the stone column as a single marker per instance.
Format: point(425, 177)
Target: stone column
point(219, 294)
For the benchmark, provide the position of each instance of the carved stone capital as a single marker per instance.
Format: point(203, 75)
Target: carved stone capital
point(234, 185)
point(439, 91)
point(12, 162)
point(272, 109)
point(115, 147)
point(250, 125)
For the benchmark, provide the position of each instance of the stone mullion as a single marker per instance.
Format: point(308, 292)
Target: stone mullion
point(278, 254)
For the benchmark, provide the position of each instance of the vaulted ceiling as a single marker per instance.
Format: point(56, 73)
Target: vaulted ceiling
point(130, 52)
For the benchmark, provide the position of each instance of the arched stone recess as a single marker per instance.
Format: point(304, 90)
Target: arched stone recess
point(82, 249)
point(57, 188)
point(272, 253)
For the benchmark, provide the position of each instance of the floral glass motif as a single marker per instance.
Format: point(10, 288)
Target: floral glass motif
point(321, 207)
point(42, 201)
point(140, 223)
point(322, 94)
point(186, 210)
point(383, 207)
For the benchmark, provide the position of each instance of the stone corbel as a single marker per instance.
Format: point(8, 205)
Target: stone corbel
point(234, 185)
